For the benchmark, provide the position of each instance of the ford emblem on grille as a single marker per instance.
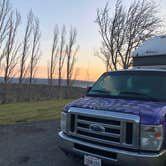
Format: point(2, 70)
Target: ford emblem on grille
point(96, 128)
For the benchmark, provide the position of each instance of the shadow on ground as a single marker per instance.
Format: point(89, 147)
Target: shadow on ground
point(34, 144)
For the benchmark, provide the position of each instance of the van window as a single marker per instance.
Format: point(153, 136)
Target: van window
point(144, 85)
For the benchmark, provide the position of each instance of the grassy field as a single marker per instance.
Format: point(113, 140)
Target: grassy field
point(28, 112)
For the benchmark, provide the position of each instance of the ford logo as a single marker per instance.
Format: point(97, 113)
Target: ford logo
point(96, 128)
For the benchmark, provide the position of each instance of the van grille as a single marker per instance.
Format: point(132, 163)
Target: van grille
point(109, 127)
point(106, 130)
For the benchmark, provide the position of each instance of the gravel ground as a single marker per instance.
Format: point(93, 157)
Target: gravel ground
point(34, 144)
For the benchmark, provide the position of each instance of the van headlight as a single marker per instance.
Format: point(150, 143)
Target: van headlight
point(64, 122)
point(151, 137)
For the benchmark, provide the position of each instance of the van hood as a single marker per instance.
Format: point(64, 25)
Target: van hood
point(151, 113)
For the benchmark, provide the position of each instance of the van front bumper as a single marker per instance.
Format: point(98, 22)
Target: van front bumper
point(123, 157)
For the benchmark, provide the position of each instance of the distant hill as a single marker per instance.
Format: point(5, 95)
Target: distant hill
point(42, 81)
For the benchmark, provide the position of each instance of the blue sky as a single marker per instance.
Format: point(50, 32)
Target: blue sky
point(78, 13)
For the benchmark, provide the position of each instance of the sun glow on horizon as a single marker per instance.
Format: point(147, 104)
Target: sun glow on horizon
point(80, 73)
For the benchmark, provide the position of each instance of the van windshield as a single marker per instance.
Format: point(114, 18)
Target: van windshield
point(139, 85)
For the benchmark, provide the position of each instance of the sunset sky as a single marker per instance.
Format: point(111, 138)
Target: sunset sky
point(78, 13)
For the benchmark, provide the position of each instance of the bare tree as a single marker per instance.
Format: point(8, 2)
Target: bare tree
point(54, 56)
point(62, 54)
point(5, 10)
point(10, 52)
point(105, 56)
point(125, 30)
point(71, 54)
point(26, 47)
point(35, 52)
point(87, 74)
point(76, 73)
point(11, 48)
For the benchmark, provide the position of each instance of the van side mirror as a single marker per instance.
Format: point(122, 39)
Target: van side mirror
point(88, 89)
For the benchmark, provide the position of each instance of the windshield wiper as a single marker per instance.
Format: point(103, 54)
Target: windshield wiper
point(138, 94)
point(101, 91)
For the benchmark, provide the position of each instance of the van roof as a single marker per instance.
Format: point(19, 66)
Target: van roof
point(152, 47)
point(140, 69)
